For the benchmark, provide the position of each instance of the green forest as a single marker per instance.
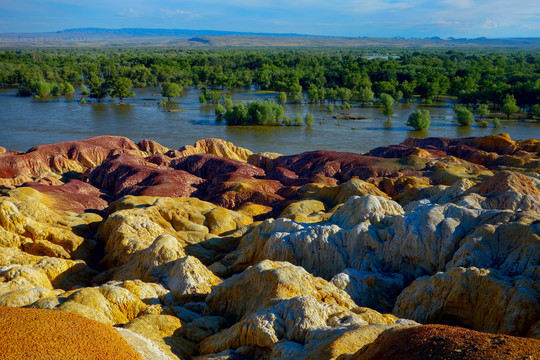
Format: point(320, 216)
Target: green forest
point(475, 77)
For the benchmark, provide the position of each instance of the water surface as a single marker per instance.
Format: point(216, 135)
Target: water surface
point(26, 122)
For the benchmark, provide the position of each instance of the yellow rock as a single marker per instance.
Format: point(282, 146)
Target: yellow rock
point(251, 209)
point(334, 195)
point(263, 160)
point(28, 223)
point(114, 303)
point(188, 279)
point(305, 211)
point(161, 330)
point(26, 278)
point(266, 282)
point(289, 311)
point(138, 221)
point(447, 174)
point(217, 147)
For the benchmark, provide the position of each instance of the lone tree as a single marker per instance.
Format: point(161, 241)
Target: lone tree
point(120, 87)
point(419, 120)
point(170, 90)
point(387, 103)
point(483, 110)
point(509, 105)
point(98, 87)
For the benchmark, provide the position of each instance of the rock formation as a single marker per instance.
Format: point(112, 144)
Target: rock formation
point(213, 252)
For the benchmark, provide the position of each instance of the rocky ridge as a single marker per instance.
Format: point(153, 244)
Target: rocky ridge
point(213, 252)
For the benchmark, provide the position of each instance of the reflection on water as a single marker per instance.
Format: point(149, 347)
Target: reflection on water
point(27, 122)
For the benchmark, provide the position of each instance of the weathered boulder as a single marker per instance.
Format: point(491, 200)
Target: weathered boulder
point(339, 194)
point(26, 278)
point(368, 234)
point(374, 290)
point(301, 327)
point(509, 190)
point(268, 281)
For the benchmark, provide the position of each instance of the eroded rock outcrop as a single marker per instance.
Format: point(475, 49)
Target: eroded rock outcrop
point(290, 314)
point(49, 162)
point(432, 342)
point(480, 299)
point(212, 252)
point(28, 222)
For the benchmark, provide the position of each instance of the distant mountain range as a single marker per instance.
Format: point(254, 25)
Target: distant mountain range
point(128, 37)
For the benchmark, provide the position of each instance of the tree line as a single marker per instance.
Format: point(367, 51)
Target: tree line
point(325, 75)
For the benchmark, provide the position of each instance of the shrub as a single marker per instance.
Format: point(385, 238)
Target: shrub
point(419, 120)
point(287, 121)
point(67, 89)
point(483, 124)
point(298, 120)
point(496, 123)
point(256, 112)
point(308, 119)
point(41, 88)
point(282, 99)
point(219, 110)
point(227, 101)
point(464, 116)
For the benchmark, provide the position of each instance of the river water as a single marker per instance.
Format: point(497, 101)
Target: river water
point(25, 122)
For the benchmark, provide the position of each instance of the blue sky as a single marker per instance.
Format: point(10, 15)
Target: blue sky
point(386, 18)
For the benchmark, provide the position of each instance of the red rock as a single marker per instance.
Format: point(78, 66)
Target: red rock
point(434, 342)
point(432, 143)
point(62, 157)
point(128, 174)
point(235, 189)
point(75, 195)
point(208, 166)
point(473, 155)
point(399, 151)
point(342, 166)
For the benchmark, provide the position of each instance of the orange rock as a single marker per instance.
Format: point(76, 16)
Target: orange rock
point(500, 144)
point(430, 342)
point(37, 334)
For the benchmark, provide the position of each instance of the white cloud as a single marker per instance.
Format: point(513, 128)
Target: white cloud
point(168, 13)
point(131, 13)
point(446, 22)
